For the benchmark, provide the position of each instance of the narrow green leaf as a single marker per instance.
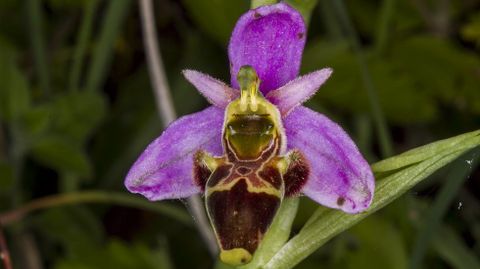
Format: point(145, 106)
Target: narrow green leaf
point(277, 235)
point(14, 91)
point(83, 37)
point(38, 42)
point(384, 25)
point(371, 91)
point(114, 17)
point(6, 177)
point(424, 152)
point(326, 223)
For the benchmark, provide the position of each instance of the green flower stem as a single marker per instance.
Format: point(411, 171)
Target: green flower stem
point(458, 174)
point(277, 234)
point(378, 117)
point(19, 213)
point(384, 25)
point(327, 223)
point(84, 35)
point(38, 44)
point(115, 15)
point(257, 3)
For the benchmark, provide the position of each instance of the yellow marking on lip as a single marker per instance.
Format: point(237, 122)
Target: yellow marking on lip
point(236, 256)
point(268, 189)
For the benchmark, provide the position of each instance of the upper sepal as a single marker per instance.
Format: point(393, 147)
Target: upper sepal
point(271, 40)
point(339, 175)
point(165, 169)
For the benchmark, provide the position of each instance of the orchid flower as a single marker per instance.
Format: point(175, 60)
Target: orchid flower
point(256, 143)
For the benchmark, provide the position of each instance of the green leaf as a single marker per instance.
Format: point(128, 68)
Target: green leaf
point(216, 17)
point(72, 228)
point(6, 177)
point(14, 91)
point(388, 249)
point(61, 154)
point(77, 114)
point(120, 255)
point(422, 153)
point(115, 15)
point(454, 250)
point(457, 175)
point(326, 223)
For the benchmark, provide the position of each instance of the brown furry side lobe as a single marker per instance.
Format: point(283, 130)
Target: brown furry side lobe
point(297, 173)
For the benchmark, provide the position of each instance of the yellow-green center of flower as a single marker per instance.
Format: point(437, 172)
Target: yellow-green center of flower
point(252, 123)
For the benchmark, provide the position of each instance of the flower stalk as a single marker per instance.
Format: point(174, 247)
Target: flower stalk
point(166, 109)
point(4, 252)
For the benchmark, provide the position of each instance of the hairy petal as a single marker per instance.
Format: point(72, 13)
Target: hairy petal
point(215, 91)
point(339, 175)
point(297, 91)
point(165, 169)
point(271, 40)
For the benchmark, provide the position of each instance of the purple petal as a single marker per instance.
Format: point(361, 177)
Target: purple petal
point(215, 91)
point(271, 40)
point(165, 168)
point(340, 176)
point(297, 91)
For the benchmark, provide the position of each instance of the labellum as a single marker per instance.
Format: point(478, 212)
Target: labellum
point(244, 187)
point(237, 148)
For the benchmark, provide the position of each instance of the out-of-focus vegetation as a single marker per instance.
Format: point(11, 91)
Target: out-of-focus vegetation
point(76, 109)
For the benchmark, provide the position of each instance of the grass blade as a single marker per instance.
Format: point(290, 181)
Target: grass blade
point(116, 13)
point(38, 44)
point(84, 35)
point(378, 117)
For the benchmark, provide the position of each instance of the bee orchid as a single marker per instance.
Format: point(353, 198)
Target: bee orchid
point(256, 144)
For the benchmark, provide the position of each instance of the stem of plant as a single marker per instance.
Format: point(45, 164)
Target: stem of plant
point(102, 54)
point(4, 253)
point(17, 214)
point(166, 110)
point(384, 25)
point(38, 44)
point(378, 117)
point(84, 35)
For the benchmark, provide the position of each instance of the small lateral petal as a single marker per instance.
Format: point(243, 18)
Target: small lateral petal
point(165, 169)
point(297, 91)
point(271, 40)
point(339, 175)
point(215, 91)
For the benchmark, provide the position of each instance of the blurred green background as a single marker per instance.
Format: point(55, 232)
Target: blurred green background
point(77, 108)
